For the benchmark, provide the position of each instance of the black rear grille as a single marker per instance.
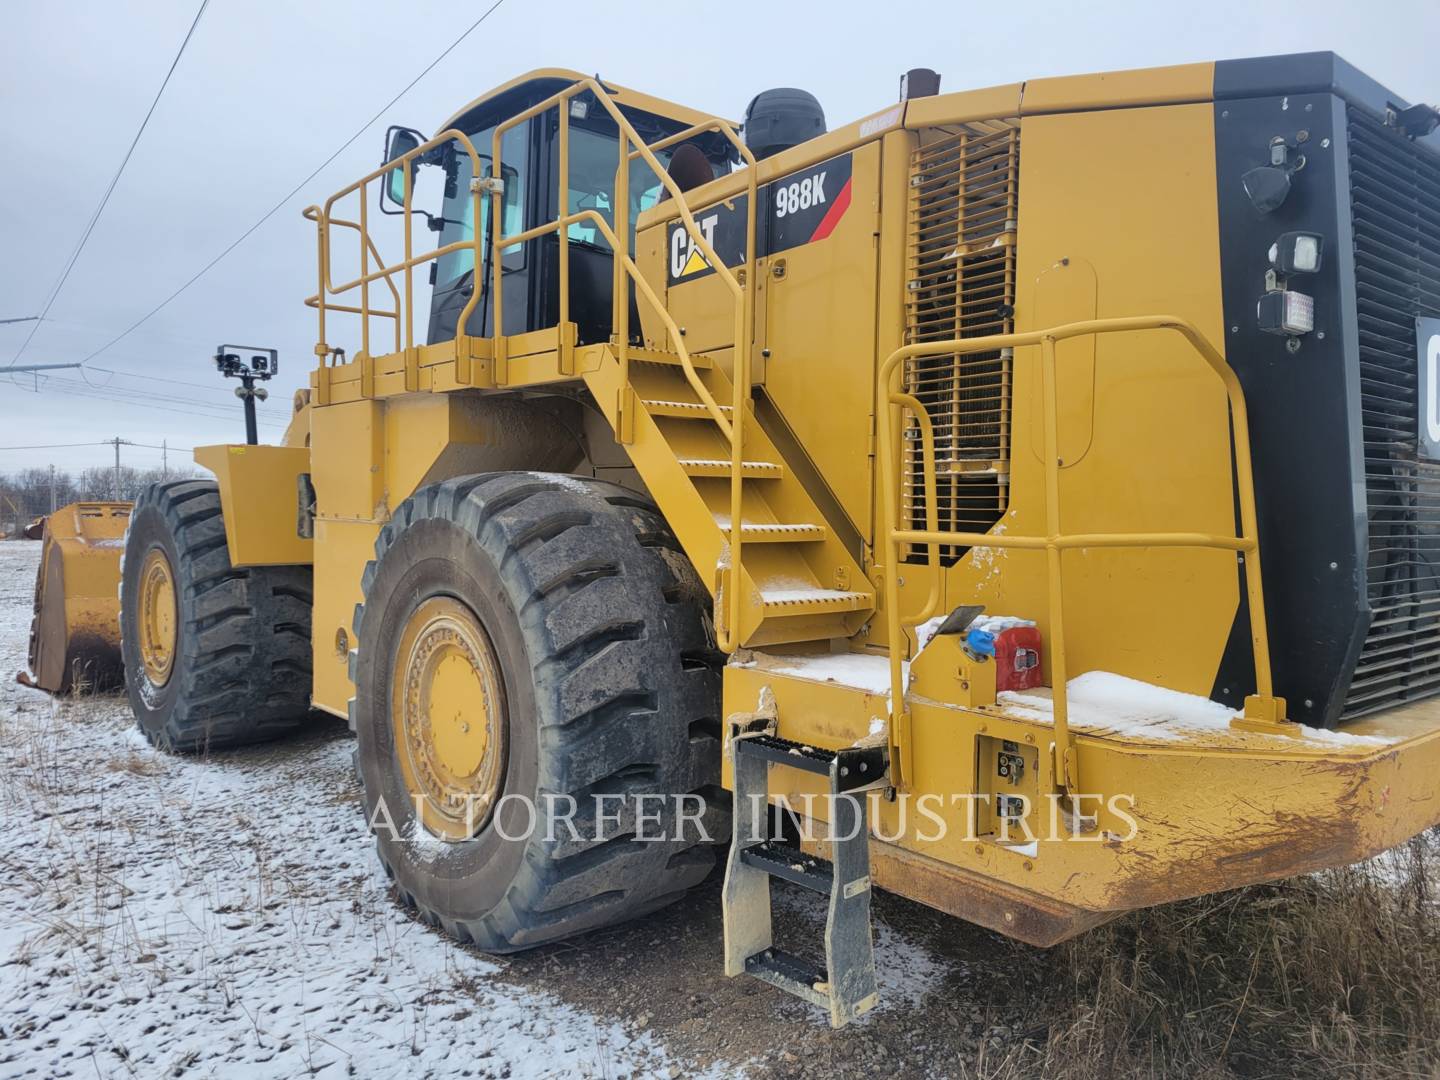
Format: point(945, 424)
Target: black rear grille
point(1395, 203)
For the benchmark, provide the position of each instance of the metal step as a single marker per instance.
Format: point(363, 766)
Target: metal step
point(755, 470)
point(854, 767)
point(682, 410)
point(845, 985)
point(651, 356)
point(780, 603)
point(755, 533)
point(793, 974)
point(782, 860)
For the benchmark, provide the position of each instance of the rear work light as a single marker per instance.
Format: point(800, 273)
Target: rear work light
point(1286, 312)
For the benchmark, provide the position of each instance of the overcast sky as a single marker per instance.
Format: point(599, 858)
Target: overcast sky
point(267, 90)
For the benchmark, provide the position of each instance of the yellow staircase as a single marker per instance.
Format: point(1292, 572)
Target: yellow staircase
point(796, 581)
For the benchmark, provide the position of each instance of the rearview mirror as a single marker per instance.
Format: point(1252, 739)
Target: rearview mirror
point(399, 142)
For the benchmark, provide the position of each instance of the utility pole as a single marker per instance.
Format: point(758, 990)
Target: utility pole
point(117, 441)
point(52, 489)
point(164, 459)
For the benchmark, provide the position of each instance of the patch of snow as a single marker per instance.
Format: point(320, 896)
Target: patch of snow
point(996, 624)
point(861, 671)
point(925, 631)
point(569, 483)
point(1129, 707)
point(226, 916)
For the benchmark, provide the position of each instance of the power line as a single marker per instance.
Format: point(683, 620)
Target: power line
point(296, 189)
point(78, 390)
point(163, 379)
point(105, 199)
point(54, 446)
point(102, 442)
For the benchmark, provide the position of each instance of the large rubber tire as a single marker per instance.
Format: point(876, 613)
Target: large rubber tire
point(611, 682)
point(241, 667)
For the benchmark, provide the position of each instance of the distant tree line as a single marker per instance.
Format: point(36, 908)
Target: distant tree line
point(26, 493)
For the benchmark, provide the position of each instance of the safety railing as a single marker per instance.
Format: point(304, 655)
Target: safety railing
point(630, 147)
point(403, 312)
point(894, 402)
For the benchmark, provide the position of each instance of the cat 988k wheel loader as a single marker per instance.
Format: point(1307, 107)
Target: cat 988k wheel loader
point(914, 475)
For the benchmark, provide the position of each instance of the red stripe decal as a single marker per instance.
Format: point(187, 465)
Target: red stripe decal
point(833, 215)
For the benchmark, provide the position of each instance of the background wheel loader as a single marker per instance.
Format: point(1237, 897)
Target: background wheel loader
point(915, 473)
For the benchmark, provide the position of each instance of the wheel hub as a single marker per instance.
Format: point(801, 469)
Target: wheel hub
point(158, 619)
point(448, 713)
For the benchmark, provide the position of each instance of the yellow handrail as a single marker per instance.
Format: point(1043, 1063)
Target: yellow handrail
point(324, 219)
point(631, 145)
point(891, 403)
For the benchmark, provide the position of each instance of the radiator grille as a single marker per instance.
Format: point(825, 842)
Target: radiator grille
point(1395, 203)
point(961, 283)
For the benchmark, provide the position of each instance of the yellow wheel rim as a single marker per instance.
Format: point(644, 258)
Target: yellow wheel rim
point(158, 617)
point(448, 713)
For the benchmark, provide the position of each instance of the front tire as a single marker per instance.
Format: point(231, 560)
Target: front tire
point(215, 656)
point(527, 639)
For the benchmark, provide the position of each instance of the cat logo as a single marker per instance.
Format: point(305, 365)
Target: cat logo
point(686, 257)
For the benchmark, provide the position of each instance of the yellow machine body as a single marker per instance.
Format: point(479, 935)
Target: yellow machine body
point(1117, 431)
point(75, 633)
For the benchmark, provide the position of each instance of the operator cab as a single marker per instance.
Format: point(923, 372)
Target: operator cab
point(529, 167)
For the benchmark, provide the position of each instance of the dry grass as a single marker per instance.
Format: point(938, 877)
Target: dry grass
point(1337, 974)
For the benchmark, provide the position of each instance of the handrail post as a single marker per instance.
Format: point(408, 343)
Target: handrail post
point(562, 204)
point(412, 362)
point(1065, 767)
point(625, 406)
point(497, 272)
point(364, 271)
point(887, 412)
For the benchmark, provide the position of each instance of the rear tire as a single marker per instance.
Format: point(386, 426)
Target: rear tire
point(608, 684)
point(227, 660)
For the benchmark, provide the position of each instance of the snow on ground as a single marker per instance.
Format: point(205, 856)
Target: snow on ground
point(167, 916)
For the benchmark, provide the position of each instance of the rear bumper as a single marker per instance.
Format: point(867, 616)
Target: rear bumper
point(1170, 817)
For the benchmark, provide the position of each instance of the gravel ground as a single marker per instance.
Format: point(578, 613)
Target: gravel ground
point(164, 916)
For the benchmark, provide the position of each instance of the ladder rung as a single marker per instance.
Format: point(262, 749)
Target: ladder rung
point(782, 860)
point(791, 973)
point(758, 470)
point(753, 533)
point(652, 356)
point(814, 759)
point(859, 766)
point(683, 410)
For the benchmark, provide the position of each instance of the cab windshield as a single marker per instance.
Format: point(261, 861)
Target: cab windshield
point(593, 161)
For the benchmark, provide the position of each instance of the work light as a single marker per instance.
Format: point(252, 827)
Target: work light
point(1297, 252)
point(1286, 312)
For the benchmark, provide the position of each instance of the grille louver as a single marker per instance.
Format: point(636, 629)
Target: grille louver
point(1395, 204)
point(961, 283)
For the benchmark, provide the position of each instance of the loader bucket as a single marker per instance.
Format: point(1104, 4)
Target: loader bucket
point(75, 634)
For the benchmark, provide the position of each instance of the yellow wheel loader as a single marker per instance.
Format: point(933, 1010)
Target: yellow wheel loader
point(889, 501)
